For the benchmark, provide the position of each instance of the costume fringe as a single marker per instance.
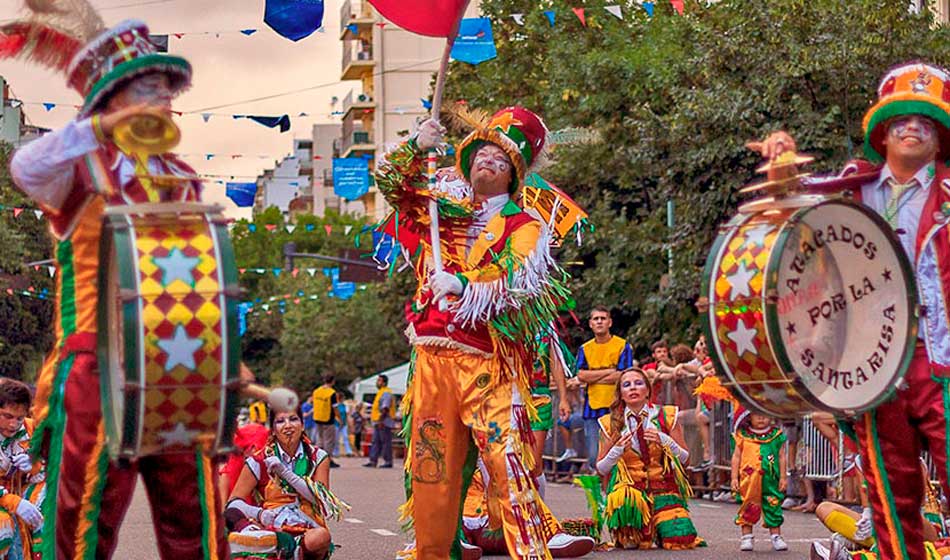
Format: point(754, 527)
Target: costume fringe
point(329, 505)
point(596, 502)
point(627, 507)
point(672, 465)
point(711, 389)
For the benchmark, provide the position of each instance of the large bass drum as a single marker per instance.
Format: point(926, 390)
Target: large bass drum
point(168, 336)
point(812, 307)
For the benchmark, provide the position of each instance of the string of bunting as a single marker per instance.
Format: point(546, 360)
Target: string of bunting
point(614, 10)
point(290, 228)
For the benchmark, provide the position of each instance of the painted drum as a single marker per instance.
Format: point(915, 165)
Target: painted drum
point(168, 337)
point(812, 307)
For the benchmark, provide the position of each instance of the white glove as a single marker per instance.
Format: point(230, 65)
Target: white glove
point(443, 284)
point(610, 459)
point(275, 466)
point(267, 517)
point(23, 462)
point(678, 452)
point(30, 514)
point(864, 525)
point(429, 136)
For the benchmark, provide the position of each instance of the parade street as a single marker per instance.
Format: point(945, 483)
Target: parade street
point(371, 530)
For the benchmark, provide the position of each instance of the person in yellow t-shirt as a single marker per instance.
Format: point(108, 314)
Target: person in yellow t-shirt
point(599, 363)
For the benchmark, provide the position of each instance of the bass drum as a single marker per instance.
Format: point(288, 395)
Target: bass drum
point(812, 307)
point(168, 337)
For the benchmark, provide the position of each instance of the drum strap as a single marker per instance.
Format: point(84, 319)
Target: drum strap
point(101, 179)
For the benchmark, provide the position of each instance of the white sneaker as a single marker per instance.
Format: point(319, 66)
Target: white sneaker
point(568, 454)
point(724, 496)
point(778, 543)
point(789, 503)
point(563, 545)
point(747, 543)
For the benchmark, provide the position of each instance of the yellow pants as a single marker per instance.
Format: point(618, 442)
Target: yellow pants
point(454, 404)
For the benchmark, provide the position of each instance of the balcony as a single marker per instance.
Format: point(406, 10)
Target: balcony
point(359, 103)
point(357, 143)
point(357, 60)
point(357, 12)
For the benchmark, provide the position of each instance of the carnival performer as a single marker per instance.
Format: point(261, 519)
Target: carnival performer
point(905, 180)
point(290, 479)
point(22, 481)
point(759, 477)
point(73, 174)
point(473, 326)
point(642, 453)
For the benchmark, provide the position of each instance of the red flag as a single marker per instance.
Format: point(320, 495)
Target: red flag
point(579, 12)
point(435, 18)
point(678, 6)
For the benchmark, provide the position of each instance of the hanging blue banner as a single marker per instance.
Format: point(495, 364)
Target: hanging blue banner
point(384, 247)
point(475, 43)
point(241, 193)
point(344, 290)
point(350, 177)
point(243, 309)
point(294, 19)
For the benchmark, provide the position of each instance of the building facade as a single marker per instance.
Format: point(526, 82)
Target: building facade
point(288, 186)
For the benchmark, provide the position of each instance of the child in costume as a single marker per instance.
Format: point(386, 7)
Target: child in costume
point(290, 478)
point(642, 454)
point(22, 481)
point(758, 477)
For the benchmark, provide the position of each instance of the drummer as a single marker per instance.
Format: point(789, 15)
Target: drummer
point(907, 139)
point(73, 174)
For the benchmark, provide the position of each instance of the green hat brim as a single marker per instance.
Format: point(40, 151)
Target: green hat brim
point(876, 131)
point(176, 68)
point(479, 138)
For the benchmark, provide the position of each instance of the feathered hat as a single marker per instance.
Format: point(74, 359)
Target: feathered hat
point(909, 89)
point(516, 130)
point(69, 36)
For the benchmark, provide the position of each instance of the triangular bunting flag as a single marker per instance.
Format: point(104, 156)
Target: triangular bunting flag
point(49, 106)
point(579, 12)
point(550, 15)
point(248, 32)
point(270, 227)
point(347, 230)
point(309, 227)
point(296, 300)
point(35, 267)
point(17, 212)
point(648, 6)
point(38, 214)
point(294, 272)
point(178, 35)
point(519, 19)
point(678, 6)
point(242, 270)
point(328, 228)
point(10, 291)
point(51, 270)
point(265, 306)
point(206, 117)
point(208, 157)
point(614, 11)
point(311, 271)
point(252, 227)
point(276, 271)
point(290, 228)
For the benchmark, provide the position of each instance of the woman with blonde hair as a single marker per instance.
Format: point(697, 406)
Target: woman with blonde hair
point(642, 454)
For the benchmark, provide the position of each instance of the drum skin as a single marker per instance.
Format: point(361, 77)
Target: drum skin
point(168, 336)
point(793, 324)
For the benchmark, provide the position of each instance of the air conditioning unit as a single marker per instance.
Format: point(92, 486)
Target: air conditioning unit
point(362, 98)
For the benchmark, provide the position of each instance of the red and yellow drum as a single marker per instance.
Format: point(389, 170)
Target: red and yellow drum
point(812, 306)
point(168, 335)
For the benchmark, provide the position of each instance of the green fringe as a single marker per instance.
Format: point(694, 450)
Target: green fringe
point(663, 501)
point(596, 501)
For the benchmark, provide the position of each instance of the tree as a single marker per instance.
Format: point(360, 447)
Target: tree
point(25, 320)
point(675, 99)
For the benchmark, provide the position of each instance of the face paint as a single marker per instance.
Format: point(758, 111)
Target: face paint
point(152, 88)
point(492, 158)
point(902, 125)
point(636, 383)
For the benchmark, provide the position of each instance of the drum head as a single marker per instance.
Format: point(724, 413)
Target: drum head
point(841, 311)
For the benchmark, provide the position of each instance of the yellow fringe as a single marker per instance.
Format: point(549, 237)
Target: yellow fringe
point(625, 495)
point(406, 510)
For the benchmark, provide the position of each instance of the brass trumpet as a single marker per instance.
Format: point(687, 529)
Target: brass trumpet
point(146, 134)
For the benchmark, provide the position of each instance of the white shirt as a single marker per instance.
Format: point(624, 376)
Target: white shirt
point(488, 210)
point(910, 205)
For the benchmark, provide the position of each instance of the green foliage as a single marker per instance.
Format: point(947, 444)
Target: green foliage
point(25, 322)
point(675, 100)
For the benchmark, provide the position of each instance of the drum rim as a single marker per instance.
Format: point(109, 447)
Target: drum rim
point(707, 287)
point(774, 331)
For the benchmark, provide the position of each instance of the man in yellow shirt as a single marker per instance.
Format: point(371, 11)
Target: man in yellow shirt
point(599, 362)
point(383, 417)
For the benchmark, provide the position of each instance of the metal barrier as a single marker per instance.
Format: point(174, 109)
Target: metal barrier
point(720, 435)
point(817, 458)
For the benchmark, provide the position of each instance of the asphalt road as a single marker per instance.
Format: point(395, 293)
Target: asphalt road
point(371, 530)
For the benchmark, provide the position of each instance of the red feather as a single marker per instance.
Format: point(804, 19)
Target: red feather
point(38, 43)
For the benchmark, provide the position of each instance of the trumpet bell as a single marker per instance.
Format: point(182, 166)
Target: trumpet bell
point(147, 134)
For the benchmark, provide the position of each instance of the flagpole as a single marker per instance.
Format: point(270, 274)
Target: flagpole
point(433, 155)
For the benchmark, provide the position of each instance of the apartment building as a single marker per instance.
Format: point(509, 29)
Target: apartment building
point(288, 186)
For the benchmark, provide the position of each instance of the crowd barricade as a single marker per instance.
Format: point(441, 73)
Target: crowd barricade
point(817, 458)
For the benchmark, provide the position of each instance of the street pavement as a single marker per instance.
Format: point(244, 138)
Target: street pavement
point(371, 530)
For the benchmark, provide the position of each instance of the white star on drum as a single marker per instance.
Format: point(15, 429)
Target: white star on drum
point(180, 349)
point(757, 235)
point(744, 337)
point(739, 281)
point(178, 436)
point(176, 266)
point(774, 393)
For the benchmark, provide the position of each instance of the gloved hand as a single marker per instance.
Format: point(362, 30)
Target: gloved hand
point(23, 462)
point(30, 514)
point(429, 136)
point(443, 284)
point(267, 517)
point(864, 525)
point(275, 466)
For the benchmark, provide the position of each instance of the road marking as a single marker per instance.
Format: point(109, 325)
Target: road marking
point(352, 520)
point(383, 532)
point(709, 506)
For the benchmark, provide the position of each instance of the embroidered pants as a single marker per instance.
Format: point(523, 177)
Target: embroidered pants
point(891, 438)
point(87, 495)
point(453, 403)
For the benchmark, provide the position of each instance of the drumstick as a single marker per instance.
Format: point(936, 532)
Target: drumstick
point(280, 399)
